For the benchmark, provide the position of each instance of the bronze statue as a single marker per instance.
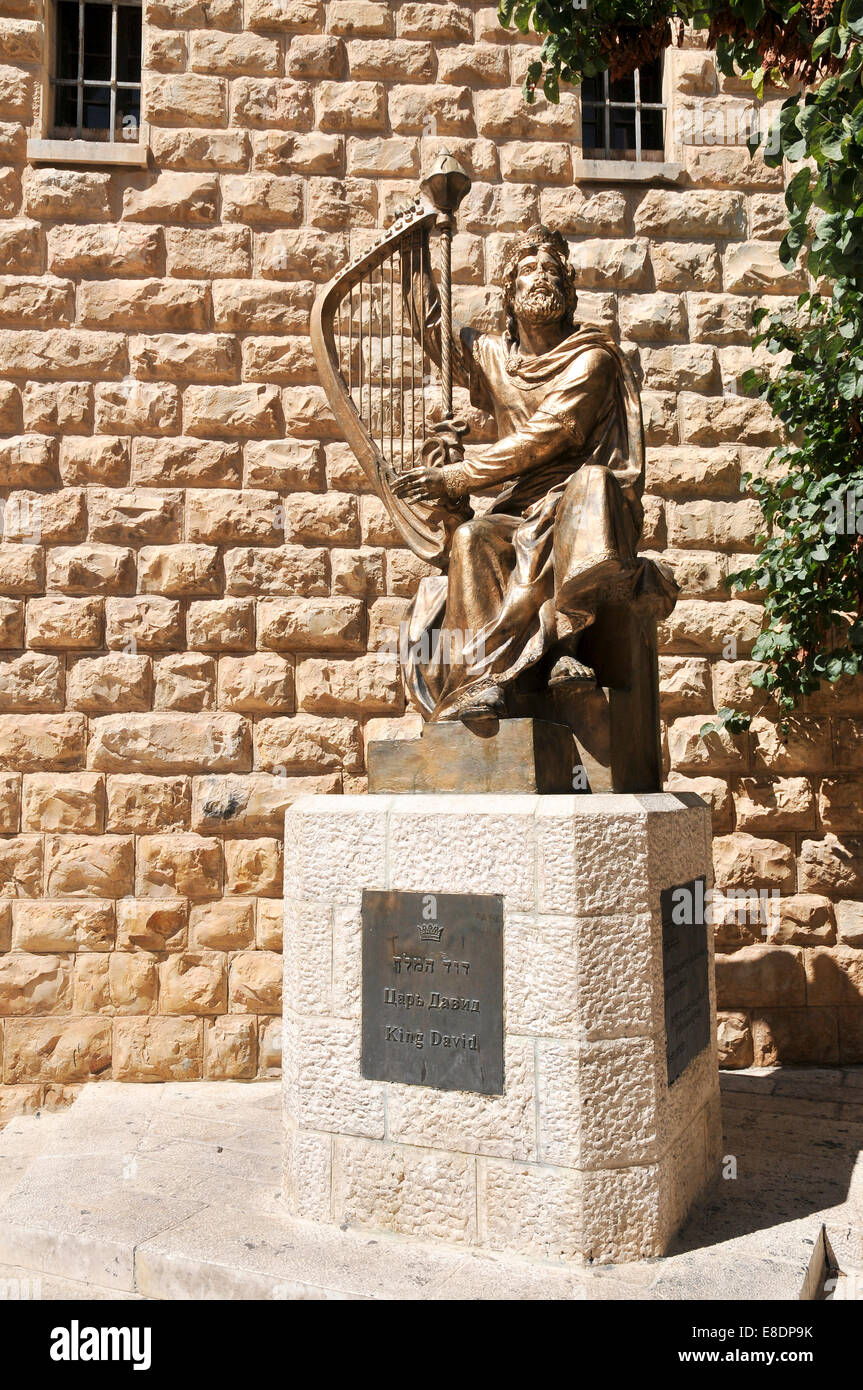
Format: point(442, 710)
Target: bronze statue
point(524, 578)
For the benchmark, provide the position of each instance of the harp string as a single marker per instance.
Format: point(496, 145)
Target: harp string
point(389, 379)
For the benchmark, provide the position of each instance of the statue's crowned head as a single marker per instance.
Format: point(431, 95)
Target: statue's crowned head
point(539, 281)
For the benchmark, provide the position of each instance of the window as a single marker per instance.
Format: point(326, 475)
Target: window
point(97, 70)
point(624, 119)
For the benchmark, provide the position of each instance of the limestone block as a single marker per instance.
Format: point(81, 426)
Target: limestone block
point(20, 243)
point(31, 682)
point(222, 926)
point(101, 458)
point(446, 844)
point(684, 684)
point(284, 569)
point(293, 624)
point(63, 926)
point(218, 625)
point(58, 622)
point(21, 569)
point(269, 925)
point(158, 924)
point(10, 802)
point(261, 683)
point(230, 1049)
point(101, 684)
point(187, 462)
point(71, 801)
point(505, 115)
point(745, 861)
point(271, 101)
point(179, 865)
point(11, 623)
point(46, 742)
point(237, 411)
point(232, 54)
point(253, 867)
point(349, 850)
point(721, 318)
point(832, 865)
point(307, 743)
point(184, 356)
point(179, 570)
point(287, 464)
point(67, 193)
point(711, 627)
point(734, 1039)
point(54, 1050)
point(253, 804)
point(256, 982)
point(666, 213)
point(785, 1036)
point(316, 55)
point(230, 518)
point(499, 1126)
point(352, 106)
point(760, 976)
point(103, 250)
point(151, 623)
point(849, 922)
point(138, 407)
point(91, 569)
point(158, 1049)
point(834, 975)
point(732, 685)
point(170, 742)
point(193, 982)
point(781, 803)
point(371, 683)
point(38, 301)
point(152, 304)
point(78, 866)
point(686, 265)
point(805, 919)
point(136, 804)
point(531, 1209)
point(185, 682)
point(34, 985)
point(186, 99)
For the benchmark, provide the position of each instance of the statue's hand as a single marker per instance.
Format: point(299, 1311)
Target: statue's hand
point(421, 485)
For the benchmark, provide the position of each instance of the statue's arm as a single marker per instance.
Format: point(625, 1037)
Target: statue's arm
point(563, 422)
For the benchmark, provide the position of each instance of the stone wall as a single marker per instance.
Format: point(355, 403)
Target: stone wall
point(195, 579)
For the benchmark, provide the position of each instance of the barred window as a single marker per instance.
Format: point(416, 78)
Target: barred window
point(97, 70)
point(624, 119)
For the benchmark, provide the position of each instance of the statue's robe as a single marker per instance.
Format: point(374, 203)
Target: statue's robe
point(563, 530)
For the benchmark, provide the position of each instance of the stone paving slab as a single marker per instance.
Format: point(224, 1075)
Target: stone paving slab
point(172, 1191)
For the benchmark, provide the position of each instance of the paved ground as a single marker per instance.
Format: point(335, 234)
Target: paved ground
point(172, 1191)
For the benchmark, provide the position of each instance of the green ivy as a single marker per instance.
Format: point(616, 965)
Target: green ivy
point(809, 563)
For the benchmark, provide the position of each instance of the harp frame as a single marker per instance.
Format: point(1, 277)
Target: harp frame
point(424, 527)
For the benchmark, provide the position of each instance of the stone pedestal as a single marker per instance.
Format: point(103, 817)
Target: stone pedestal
point(607, 1128)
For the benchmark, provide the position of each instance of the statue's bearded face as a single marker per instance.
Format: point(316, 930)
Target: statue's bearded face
point(540, 288)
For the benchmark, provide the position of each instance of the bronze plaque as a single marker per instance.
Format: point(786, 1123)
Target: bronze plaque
point(433, 990)
point(685, 978)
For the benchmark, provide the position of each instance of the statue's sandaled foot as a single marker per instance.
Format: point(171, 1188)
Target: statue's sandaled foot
point(569, 672)
point(483, 707)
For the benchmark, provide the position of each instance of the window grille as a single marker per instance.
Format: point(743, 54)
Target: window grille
point(97, 70)
point(624, 119)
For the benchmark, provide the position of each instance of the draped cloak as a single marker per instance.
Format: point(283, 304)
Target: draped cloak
point(563, 530)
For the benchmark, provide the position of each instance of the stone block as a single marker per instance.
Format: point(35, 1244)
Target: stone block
point(588, 1153)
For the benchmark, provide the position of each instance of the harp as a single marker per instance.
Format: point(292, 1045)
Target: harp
point(373, 363)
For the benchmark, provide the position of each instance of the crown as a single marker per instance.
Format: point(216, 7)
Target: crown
point(429, 931)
